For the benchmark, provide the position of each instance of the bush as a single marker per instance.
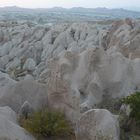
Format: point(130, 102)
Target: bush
point(134, 102)
point(47, 123)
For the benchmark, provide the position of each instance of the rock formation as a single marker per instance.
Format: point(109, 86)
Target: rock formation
point(71, 67)
point(9, 128)
point(97, 124)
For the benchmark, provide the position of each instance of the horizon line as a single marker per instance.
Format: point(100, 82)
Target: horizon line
point(110, 8)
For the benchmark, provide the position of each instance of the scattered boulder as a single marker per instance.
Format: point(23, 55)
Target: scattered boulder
point(29, 64)
point(26, 90)
point(25, 110)
point(5, 81)
point(97, 124)
point(125, 109)
point(29, 77)
point(9, 128)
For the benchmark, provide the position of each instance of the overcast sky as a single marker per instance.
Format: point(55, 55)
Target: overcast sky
point(71, 3)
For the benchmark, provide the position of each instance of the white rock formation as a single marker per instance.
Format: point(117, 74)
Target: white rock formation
point(125, 109)
point(124, 35)
point(9, 128)
point(26, 90)
point(97, 124)
point(29, 64)
point(94, 73)
point(25, 110)
point(30, 44)
point(5, 81)
point(80, 64)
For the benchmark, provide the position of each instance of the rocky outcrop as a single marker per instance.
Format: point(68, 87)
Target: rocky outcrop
point(124, 37)
point(71, 67)
point(27, 49)
point(29, 64)
point(5, 81)
point(25, 110)
point(9, 128)
point(94, 74)
point(97, 124)
point(25, 46)
point(27, 90)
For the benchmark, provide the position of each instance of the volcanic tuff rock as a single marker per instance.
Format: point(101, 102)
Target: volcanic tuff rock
point(9, 128)
point(97, 124)
point(24, 46)
point(5, 81)
point(15, 95)
point(70, 66)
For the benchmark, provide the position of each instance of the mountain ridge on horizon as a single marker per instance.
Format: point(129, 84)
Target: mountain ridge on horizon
point(15, 8)
point(60, 14)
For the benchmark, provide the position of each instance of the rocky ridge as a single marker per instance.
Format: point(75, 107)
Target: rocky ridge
point(70, 67)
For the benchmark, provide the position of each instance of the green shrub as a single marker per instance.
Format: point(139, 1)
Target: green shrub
point(134, 102)
point(47, 123)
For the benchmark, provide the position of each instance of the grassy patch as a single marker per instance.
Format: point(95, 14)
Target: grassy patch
point(48, 124)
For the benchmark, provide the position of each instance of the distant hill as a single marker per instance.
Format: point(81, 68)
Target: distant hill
point(76, 9)
point(12, 8)
point(56, 14)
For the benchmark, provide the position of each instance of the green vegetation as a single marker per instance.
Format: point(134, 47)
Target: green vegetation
point(134, 102)
point(130, 125)
point(113, 105)
point(47, 124)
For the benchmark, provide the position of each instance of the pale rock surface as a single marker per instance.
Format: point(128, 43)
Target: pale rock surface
point(25, 41)
point(85, 107)
point(9, 128)
point(5, 49)
point(1, 35)
point(29, 64)
point(97, 124)
point(29, 77)
point(80, 64)
point(125, 36)
point(5, 81)
point(25, 110)
point(93, 73)
point(4, 61)
point(125, 109)
point(136, 73)
point(15, 95)
point(15, 64)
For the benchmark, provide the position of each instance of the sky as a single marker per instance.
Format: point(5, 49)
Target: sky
point(71, 3)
